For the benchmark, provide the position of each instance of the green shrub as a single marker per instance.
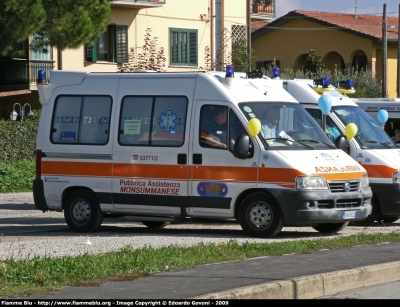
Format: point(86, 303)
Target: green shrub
point(16, 176)
point(17, 140)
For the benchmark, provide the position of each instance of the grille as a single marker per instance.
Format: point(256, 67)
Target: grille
point(338, 186)
point(348, 203)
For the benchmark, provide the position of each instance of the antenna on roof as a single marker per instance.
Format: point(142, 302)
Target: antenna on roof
point(356, 7)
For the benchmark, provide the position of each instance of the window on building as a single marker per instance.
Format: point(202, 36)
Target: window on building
point(81, 120)
point(238, 33)
point(110, 46)
point(183, 47)
point(42, 53)
point(153, 121)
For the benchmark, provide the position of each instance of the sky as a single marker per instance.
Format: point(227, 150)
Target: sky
point(339, 6)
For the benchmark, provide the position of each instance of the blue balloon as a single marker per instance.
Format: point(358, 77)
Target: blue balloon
point(383, 116)
point(325, 104)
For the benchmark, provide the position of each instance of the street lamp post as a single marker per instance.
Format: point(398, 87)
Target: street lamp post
point(14, 114)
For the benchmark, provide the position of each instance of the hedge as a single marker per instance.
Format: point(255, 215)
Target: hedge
point(17, 140)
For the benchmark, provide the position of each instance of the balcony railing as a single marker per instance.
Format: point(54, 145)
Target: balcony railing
point(263, 11)
point(19, 75)
point(138, 3)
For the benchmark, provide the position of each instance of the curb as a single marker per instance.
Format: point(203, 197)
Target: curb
point(315, 286)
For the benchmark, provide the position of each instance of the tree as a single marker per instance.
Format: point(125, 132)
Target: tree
point(72, 23)
point(58, 23)
point(149, 59)
point(314, 62)
point(241, 59)
point(18, 20)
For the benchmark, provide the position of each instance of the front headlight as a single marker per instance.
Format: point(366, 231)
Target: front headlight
point(308, 182)
point(396, 177)
point(364, 181)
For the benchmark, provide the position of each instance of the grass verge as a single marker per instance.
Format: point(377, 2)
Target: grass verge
point(44, 274)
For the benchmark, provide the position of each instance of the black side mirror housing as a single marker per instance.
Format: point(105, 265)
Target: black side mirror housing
point(241, 147)
point(343, 144)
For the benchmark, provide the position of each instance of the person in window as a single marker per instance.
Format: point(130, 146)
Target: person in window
point(332, 129)
point(214, 130)
point(269, 123)
point(396, 136)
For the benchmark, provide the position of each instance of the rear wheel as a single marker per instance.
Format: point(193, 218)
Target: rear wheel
point(260, 216)
point(370, 219)
point(82, 211)
point(330, 227)
point(155, 224)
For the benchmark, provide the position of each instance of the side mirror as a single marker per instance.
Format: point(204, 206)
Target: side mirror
point(241, 147)
point(343, 144)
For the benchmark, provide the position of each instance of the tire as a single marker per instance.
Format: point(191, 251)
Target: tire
point(260, 216)
point(330, 227)
point(370, 219)
point(155, 224)
point(82, 211)
point(390, 219)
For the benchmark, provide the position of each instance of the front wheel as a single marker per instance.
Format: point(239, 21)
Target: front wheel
point(260, 216)
point(82, 211)
point(330, 227)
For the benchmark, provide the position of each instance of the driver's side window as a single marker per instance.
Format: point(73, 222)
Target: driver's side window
point(331, 129)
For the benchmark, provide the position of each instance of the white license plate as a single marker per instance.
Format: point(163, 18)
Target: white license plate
point(349, 215)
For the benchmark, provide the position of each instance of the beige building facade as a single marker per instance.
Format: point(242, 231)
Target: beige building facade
point(193, 34)
point(181, 23)
point(342, 40)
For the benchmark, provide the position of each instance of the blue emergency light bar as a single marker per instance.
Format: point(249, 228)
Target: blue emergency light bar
point(348, 84)
point(324, 82)
point(41, 77)
point(229, 71)
point(276, 73)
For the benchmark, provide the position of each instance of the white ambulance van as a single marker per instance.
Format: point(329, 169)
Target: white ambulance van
point(371, 147)
point(373, 105)
point(178, 147)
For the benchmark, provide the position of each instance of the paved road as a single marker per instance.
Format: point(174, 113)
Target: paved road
point(27, 231)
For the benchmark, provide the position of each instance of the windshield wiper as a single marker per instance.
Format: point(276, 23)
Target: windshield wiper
point(290, 140)
point(386, 144)
point(315, 141)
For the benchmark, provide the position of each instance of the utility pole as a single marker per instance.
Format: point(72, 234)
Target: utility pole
point(248, 22)
point(384, 53)
point(398, 55)
point(355, 9)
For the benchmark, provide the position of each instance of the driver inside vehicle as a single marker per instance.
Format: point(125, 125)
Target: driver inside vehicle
point(269, 123)
point(331, 128)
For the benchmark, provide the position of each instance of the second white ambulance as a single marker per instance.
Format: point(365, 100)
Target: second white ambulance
point(371, 147)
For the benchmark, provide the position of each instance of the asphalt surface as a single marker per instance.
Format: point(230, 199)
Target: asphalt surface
point(295, 276)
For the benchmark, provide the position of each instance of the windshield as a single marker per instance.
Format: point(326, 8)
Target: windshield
point(369, 132)
point(286, 126)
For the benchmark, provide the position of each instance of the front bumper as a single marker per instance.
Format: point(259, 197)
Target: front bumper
point(312, 207)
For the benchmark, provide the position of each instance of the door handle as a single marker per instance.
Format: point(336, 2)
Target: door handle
point(197, 159)
point(182, 159)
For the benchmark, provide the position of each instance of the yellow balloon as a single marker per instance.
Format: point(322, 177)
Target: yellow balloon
point(254, 126)
point(351, 130)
